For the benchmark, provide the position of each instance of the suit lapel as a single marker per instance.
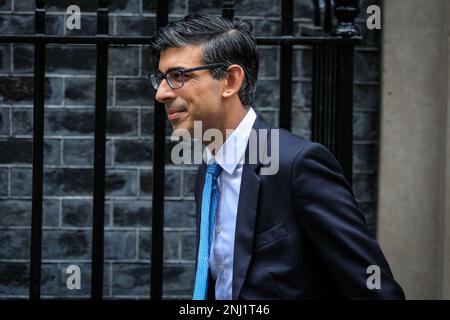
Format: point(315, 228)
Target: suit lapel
point(245, 226)
point(246, 213)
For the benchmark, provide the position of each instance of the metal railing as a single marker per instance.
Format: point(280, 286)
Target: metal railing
point(332, 109)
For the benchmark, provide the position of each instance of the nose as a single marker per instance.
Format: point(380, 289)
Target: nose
point(164, 92)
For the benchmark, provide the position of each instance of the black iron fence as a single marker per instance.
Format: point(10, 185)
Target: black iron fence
point(332, 110)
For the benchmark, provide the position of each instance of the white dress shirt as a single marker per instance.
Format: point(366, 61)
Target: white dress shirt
point(230, 157)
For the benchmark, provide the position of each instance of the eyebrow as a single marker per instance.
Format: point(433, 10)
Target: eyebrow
point(173, 68)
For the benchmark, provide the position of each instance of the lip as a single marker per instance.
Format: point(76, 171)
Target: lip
point(174, 114)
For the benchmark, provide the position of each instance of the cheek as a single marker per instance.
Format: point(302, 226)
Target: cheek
point(210, 95)
point(203, 102)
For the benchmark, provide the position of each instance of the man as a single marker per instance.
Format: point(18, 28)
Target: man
point(294, 234)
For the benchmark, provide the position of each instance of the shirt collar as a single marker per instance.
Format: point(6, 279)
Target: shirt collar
point(232, 152)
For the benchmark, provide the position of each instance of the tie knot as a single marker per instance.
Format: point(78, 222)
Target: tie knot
point(214, 169)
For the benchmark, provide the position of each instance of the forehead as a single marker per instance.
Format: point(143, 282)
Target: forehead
point(180, 57)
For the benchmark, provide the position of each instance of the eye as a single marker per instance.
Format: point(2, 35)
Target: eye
point(175, 76)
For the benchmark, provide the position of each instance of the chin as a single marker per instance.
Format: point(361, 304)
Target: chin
point(183, 126)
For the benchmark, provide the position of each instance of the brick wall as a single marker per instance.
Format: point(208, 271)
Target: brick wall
point(68, 151)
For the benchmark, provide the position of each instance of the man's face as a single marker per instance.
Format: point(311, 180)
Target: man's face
point(199, 99)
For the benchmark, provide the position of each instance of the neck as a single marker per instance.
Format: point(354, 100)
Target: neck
point(230, 121)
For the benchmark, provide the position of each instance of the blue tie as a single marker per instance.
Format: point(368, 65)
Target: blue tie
point(210, 198)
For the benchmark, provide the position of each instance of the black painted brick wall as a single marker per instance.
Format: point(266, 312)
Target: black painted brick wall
point(68, 151)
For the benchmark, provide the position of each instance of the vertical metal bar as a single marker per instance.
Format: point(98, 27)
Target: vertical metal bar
point(38, 156)
point(329, 96)
point(332, 114)
point(327, 21)
point(228, 9)
point(316, 13)
point(318, 112)
point(287, 28)
point(332, 98)
point(322, 92)
point(156, 285)
point(315, 95)
point(344, 105)
point(346, 12)
point(317, 129)
point(98, 214)
point(328, 127)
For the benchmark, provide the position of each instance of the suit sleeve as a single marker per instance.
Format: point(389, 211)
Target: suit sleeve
point(330, 217)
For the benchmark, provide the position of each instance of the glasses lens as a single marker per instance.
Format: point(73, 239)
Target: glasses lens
point(175, 79)
point(155, 79)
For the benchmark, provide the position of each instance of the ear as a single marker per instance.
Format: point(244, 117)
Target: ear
point(234, 78)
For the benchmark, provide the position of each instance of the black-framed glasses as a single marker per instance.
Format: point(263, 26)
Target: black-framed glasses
point(176, 77)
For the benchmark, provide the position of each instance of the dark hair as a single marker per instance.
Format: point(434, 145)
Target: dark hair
point(223, 41)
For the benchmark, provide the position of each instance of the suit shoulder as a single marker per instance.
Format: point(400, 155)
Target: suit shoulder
point(288, 142)
point(293, 145)
point(293, 150)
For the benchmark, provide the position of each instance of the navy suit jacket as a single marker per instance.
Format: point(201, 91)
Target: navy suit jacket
point(300, 233)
